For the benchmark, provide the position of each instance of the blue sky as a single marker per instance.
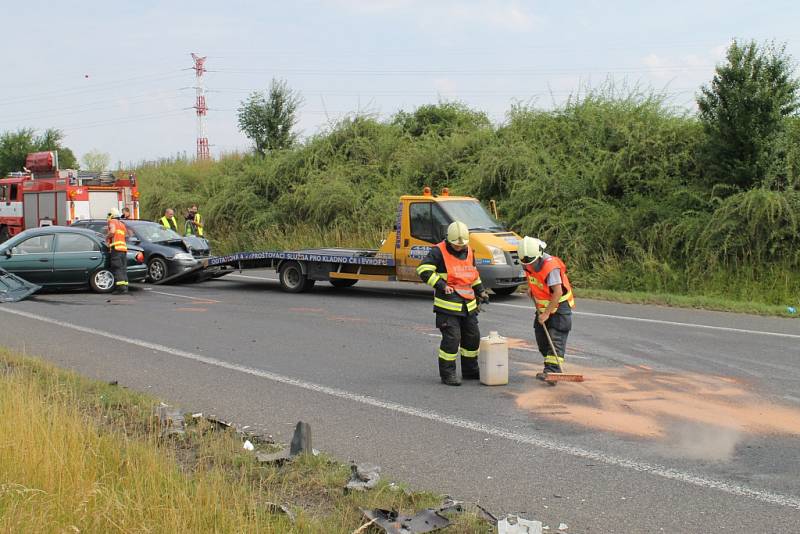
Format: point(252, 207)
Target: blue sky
point(111, 74)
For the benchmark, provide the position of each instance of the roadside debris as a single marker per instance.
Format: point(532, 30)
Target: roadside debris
point(301, 441)
point(563, 526)
point(363, 477)
point(171, 420)
point(248, 446)
point(14, 289)
point(393, 523)
point(279, 509)
point(512, 524)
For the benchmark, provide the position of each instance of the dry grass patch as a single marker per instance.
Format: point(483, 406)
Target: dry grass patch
point(78, 455)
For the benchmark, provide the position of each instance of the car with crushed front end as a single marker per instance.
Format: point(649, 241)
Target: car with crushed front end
point(166, 253)
point(60, 257)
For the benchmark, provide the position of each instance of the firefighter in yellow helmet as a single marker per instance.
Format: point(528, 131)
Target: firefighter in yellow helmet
point(450, 269)
point(118, 263)
point(551, 291)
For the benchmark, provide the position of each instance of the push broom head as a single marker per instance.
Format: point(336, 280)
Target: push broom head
point(563, 377)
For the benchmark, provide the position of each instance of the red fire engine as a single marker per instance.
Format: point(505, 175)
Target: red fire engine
point(45, 195)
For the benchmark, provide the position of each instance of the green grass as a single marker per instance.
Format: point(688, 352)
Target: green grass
point(686, 301)
point(77, 455)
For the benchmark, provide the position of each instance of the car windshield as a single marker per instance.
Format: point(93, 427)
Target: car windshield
point(155, 233)
point(471, 213)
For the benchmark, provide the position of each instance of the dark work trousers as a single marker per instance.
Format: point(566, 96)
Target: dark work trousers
point(459, 334)
point(558, 325)
point(119, 269)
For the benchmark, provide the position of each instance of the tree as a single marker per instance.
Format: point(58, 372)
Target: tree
point(743, 112)
point(268, 120)
point(96, 161)
point(15, 146)
point(444, 118)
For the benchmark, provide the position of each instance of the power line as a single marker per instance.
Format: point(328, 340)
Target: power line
point(105, 86)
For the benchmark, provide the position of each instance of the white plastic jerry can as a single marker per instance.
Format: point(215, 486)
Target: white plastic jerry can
point(493, 360)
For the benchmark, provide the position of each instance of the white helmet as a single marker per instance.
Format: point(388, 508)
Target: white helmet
point(113, 213)
point(530, 249)
point(458, 233)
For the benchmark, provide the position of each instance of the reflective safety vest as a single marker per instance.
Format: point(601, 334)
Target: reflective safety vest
point(461, 274)
point(169, 223)
point(537, 282)
point(117, 235)
point(195, 224)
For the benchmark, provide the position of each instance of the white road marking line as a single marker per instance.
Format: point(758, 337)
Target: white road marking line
point(621, 317)
point(671, 323)
point(184, 296)
point(249, 277)
point(464, 424)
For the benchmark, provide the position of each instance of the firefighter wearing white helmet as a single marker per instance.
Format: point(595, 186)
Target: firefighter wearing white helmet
point(450, 269)
point(118, 247)
point(551, 291)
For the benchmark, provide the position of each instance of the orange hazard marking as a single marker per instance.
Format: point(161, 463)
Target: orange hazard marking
point(192, 309)
point(706, 414)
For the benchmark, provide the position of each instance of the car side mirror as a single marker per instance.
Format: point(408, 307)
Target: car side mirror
point(135, 240)
point(7, 252)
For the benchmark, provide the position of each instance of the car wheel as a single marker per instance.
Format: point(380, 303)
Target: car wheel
point(156, 270)
point(4, 235)
point(292, 278)
point(102, 281)
point(504, 291)
point(342, 282)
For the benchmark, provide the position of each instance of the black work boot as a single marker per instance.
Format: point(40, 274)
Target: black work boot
point(548, 368)
point(448, 373)
point(470, 369)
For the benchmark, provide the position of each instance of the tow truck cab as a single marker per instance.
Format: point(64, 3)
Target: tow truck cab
point(422, 222)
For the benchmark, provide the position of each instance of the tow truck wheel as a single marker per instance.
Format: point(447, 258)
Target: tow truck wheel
point(504, 291)
point(342, 282)
point(156, 270)
point(292, 278)
point(102, 281)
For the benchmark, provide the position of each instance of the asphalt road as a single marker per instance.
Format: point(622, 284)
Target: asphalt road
point(688, 420)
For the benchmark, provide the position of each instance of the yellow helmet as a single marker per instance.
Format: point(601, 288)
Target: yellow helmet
point(530, 249)
point(113, 213)
point(458, 233)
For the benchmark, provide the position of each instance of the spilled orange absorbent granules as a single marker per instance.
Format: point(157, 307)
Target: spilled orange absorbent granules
point(638, 401)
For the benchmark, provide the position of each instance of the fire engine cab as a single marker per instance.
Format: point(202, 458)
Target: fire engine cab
point(44, 195)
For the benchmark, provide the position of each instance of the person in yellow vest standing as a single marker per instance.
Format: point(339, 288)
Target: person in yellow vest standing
point(116, 236)
point(551, 291)
point(194, 223)
point(168, 220)
point(450, 269)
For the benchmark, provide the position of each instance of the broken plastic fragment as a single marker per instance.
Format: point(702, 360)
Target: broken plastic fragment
point(363, 477)
point(512, 524)
point(563, 526)
point(248, 446)
point(393, 523)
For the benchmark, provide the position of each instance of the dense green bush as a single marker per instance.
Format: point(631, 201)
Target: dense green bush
point(613, 182)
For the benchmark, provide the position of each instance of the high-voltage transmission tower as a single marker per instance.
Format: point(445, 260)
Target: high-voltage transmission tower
point(201, 108)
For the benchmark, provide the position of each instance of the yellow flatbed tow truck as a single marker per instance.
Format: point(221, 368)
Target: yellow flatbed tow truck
point(420, 224)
